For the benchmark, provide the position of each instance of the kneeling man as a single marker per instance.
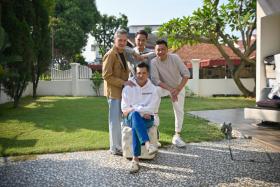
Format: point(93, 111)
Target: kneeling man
point(138, 105)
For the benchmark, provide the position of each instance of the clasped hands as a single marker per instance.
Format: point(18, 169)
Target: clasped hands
point(174, 94)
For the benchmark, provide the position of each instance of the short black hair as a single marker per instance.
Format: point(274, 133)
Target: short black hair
point(143, 65)
point(142, 32)
point(161, 41)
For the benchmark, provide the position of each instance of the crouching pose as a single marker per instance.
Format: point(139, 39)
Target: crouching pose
point(138, 105)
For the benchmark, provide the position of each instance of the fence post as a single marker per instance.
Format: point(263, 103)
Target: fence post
point(75, 77)
point(195, 70)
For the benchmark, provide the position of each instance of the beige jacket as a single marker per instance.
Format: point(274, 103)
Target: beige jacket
point(114, 74)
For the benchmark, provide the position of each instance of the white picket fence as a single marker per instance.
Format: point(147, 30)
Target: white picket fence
point(84, 72)
point(57, 74)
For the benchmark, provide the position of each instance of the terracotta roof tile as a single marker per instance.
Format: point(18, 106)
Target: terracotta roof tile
point(203, 52)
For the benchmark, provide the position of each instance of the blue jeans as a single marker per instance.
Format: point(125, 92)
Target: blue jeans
point(139, 127)
point(114, 119)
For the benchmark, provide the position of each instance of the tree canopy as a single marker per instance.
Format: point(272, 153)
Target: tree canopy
point(105, 29)
point(16, 20)
point(208, 25)
point(71, 22)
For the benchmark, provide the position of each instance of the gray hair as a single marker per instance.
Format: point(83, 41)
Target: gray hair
point(120, 32)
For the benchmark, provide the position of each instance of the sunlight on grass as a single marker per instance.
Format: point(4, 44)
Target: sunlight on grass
point(62, 124)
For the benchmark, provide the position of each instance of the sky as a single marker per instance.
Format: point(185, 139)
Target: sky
point(148, 12)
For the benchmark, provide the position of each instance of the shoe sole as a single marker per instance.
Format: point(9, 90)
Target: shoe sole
point(154, 152)
point(179, 146)
point(133, 172)
point(116, 153)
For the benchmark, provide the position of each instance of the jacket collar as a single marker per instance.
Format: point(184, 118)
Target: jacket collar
point(114, 49)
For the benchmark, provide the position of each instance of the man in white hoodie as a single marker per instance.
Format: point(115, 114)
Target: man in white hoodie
point(139, 103)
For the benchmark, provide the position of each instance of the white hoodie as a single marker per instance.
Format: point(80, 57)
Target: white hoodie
point(142, 99)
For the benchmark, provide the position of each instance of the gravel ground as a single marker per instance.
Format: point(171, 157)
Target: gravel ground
point(239, 162)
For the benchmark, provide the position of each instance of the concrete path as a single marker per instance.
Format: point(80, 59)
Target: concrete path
point(239, 162)
point(267, 133)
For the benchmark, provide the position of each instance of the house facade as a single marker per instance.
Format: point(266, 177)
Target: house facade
point(135, 28)
point(91, 51)
point(268, 44)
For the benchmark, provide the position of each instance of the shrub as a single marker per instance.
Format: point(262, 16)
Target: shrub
point(97, 80)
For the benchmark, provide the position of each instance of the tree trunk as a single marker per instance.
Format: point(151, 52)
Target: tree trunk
point(239, 84)
point(34, 94)
point(235, 71)
point(35, 85)
point(16, 102)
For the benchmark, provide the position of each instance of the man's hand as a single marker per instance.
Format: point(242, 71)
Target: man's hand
point(139, 58)
point(147, 116)
point(127, 111)
point(129, 83)
point(174, 94)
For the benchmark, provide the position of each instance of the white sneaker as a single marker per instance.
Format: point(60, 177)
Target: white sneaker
point(177, 141)
point(152, 149)
point(134, 167)
point(158, 144)
point(156, 120)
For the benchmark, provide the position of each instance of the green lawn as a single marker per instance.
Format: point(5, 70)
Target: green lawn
point(61, 124)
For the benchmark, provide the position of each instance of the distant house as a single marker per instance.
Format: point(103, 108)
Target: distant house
point(135, 28)
point(212, 63)
point(91, 51)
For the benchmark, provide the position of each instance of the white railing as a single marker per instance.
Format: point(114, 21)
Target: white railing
point(61, 74)
point(84, 72)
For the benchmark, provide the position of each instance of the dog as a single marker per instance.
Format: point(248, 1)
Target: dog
point(227, 130)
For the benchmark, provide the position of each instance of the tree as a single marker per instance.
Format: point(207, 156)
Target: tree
point(70, 24)
point(42, 44)
point(16, 17)
point(105, 29)
point(148, 29)
point(208, 25)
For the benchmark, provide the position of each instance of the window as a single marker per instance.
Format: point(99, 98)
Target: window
point(93, 47)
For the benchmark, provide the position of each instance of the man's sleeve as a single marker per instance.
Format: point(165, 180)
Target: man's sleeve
point(129, 50)
point(107, 71)
point(151, 55)
point(184, 71)
point(125, 104)
point(154, 74)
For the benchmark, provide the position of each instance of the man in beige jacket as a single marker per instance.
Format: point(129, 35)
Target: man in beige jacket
point(115, 74)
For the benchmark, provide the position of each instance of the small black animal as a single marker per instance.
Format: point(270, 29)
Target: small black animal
point(227, 130)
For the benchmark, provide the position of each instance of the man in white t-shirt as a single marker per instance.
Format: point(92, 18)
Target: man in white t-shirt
point(170, 74)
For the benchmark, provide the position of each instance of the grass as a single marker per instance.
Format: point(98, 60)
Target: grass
point(63, 124)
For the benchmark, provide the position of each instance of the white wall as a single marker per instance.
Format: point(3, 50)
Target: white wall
point(4, 98)
point(55, 87)
point(210, 87)
point(64, 88)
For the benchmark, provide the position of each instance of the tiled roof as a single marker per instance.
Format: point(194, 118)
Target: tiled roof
point(203, 52)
